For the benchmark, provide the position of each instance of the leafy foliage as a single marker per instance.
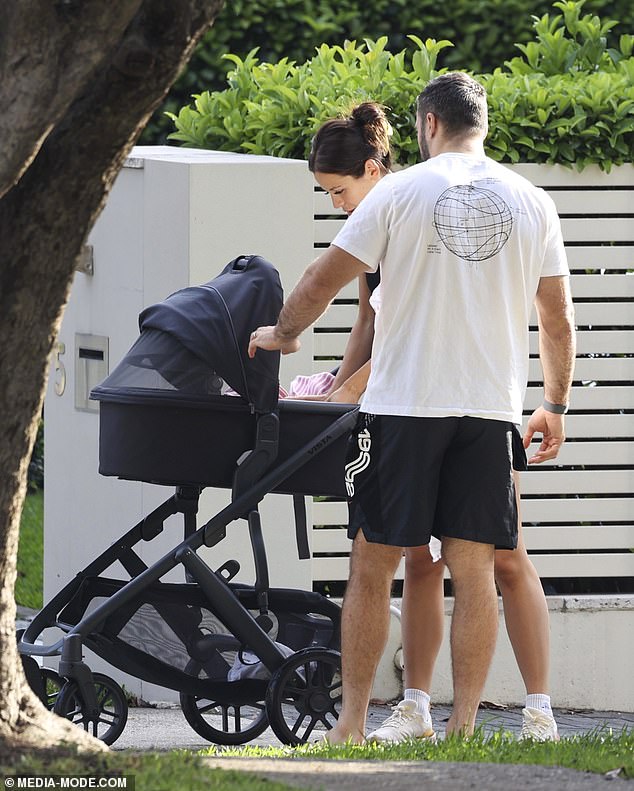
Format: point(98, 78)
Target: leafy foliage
point(568, 99)
point(275, 108)
point(579, 45)
point(484, 32)
point(562, 119)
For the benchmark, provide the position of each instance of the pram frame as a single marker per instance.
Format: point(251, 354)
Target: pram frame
point(163, 411)
point(250, 487)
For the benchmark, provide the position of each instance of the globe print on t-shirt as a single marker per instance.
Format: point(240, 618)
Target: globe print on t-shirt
point(473, 223)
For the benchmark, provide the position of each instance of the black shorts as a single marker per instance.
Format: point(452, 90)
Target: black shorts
point(409, 478)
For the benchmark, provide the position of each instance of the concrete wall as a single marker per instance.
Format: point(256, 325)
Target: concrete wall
point(591, 650)
point(176, 217)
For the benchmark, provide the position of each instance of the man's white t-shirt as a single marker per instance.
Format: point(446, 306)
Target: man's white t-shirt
point(462, 242)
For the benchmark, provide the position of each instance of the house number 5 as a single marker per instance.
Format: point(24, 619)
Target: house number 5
point(60, 370)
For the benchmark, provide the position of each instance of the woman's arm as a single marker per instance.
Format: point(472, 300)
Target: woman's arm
point(352, 389)
point(359, 346)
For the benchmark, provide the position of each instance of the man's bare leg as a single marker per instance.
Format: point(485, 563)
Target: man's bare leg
point(473, 626)
point(364, 629)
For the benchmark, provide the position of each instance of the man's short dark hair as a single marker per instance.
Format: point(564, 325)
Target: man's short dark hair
point(457, 100)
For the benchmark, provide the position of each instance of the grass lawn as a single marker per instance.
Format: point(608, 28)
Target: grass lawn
point(599, 752)
point(28, 586)
point(151, 771)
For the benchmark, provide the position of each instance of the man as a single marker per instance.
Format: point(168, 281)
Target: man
point(465, 247)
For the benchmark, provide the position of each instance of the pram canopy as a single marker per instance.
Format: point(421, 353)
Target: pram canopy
point(183, 406)
point(191, 345)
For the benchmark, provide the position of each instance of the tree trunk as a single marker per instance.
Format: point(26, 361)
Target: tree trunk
point(66, 124)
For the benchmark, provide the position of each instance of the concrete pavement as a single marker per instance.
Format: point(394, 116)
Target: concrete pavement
point(165, 728)
point(416, 775)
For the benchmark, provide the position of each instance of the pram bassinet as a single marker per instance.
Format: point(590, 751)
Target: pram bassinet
point(186, 407)
point(183, 405)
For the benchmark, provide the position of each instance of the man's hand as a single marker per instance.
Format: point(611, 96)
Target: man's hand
point(551, 427)
point(269, 339)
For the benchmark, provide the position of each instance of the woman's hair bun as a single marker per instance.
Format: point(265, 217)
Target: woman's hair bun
point(368, 113)
point(343, 145)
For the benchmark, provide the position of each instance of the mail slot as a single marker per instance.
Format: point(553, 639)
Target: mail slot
point(91, 367)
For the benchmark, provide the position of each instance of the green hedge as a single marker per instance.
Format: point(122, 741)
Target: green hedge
point(484, 33)
point(568, 98)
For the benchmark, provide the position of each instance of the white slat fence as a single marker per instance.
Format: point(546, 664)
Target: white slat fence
point(578, 513)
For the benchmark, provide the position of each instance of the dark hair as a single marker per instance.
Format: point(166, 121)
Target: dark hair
point(343, 145)
point(457, 100)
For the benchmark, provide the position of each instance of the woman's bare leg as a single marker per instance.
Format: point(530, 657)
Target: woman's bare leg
point(526, 616)
point(527, 624)
point(525, 613)
point(422, 617)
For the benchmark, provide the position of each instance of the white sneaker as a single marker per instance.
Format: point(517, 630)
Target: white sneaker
point(539, 726)
point(406, 723)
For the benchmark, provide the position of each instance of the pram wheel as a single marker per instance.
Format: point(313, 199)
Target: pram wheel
point(304, 695)
point(46, 683)
point(221, 722)
point(112, 714)
point(53, 683)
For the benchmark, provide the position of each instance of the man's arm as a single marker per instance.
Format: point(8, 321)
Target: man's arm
point(321, 281)
point(557, 346)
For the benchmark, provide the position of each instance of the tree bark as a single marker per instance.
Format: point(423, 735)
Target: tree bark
point(36, 89)
point(67, 123)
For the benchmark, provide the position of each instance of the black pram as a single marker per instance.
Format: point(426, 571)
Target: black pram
point(186, 407)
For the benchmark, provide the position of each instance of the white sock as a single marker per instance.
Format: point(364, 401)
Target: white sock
point(541, 702)
point(421, 699)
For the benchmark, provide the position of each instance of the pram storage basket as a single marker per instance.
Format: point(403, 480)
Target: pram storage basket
point(158, 633)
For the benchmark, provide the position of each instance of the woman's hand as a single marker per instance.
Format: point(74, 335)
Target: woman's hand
point(346, 394)
point(353, 388)
point(306, 398)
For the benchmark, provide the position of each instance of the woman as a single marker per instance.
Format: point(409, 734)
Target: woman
point(348, 157)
